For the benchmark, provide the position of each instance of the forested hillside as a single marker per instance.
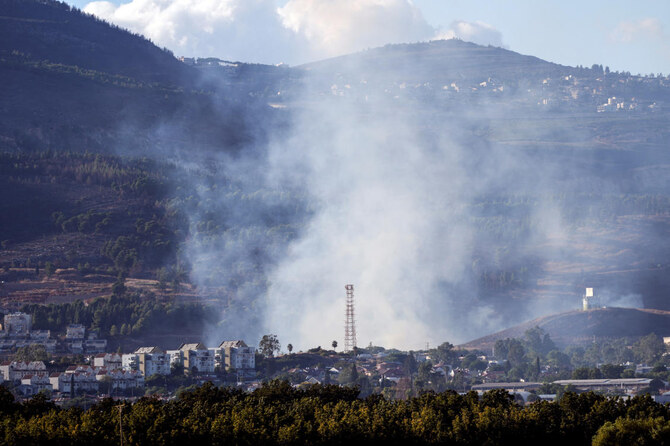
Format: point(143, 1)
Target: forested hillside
point(56, 32)
point(70, 81)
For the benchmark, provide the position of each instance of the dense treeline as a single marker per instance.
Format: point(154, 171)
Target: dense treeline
point(58, 32)
point(122, 315)
point(122, 201)
point(280, 414)
point(536, 357)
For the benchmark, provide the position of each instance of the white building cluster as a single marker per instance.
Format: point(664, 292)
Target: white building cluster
point(229, 355)
point(17, 332)
point(77, 342)
point(111, 372)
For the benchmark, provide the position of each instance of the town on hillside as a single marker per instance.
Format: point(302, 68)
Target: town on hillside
point(76, 368)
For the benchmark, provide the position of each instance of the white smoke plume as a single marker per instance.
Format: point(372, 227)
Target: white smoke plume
point(390, 219)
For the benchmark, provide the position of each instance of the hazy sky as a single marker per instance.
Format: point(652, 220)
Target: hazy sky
point(625, 35)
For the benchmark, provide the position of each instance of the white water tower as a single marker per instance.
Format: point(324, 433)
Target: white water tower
point(588, 300)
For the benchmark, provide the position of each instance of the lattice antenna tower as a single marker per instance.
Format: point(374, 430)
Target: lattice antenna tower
point(350, 324)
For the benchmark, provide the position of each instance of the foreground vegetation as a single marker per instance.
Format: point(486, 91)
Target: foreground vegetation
point(279, 414)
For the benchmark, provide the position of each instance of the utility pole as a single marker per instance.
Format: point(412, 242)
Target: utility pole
point(120, 407)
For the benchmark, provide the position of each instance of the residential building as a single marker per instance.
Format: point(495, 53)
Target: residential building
point(121, 379)
point(17, 324)
point(82, 381)
point(82, 368)
point(176, 357)
point(76, 346)
point(75, 331)
point(110, 361)
point(237, 355)
point(148, 360)
point(33, 384)
point(197, 358)
point(95, 345)
point(17, 370)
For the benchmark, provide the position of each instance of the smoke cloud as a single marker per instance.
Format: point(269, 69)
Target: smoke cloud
point(477, 32)
point(388, 219)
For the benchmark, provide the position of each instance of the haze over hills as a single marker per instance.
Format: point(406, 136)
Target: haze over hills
point(472, 186)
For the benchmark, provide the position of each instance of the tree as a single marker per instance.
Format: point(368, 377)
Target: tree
point(558, 359)
point(269, 345)
point(334, 344)
point(516, 354)
point(348, 376)
point(580, 373)
point(633, 431)
point(176, 369)
point(33, 352)
point(611, 371)
point(409, 365)
point(649, 348)
point(289, 347)
point(445, 352)
point(49, 269)
point(119, 287)
point(538, 342)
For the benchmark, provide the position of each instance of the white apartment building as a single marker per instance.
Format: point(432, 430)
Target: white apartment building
point(148, 360)
point(33, 384)
point(83, 381)
point(197, 358)
point(121, 379)
point(237, 355)
point(17, 370)
point(110, 361)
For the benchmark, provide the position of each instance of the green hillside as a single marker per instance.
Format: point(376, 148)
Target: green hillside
point(56, 32)
point(72, 82)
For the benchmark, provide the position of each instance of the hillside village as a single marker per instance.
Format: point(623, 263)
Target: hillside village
point(75, 367)
point(557, 88)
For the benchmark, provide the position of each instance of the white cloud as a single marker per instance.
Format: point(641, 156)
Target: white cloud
point(477, 32)
point(263, 31)
point(247, 30)
point(341, 26)
point(629, 31)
